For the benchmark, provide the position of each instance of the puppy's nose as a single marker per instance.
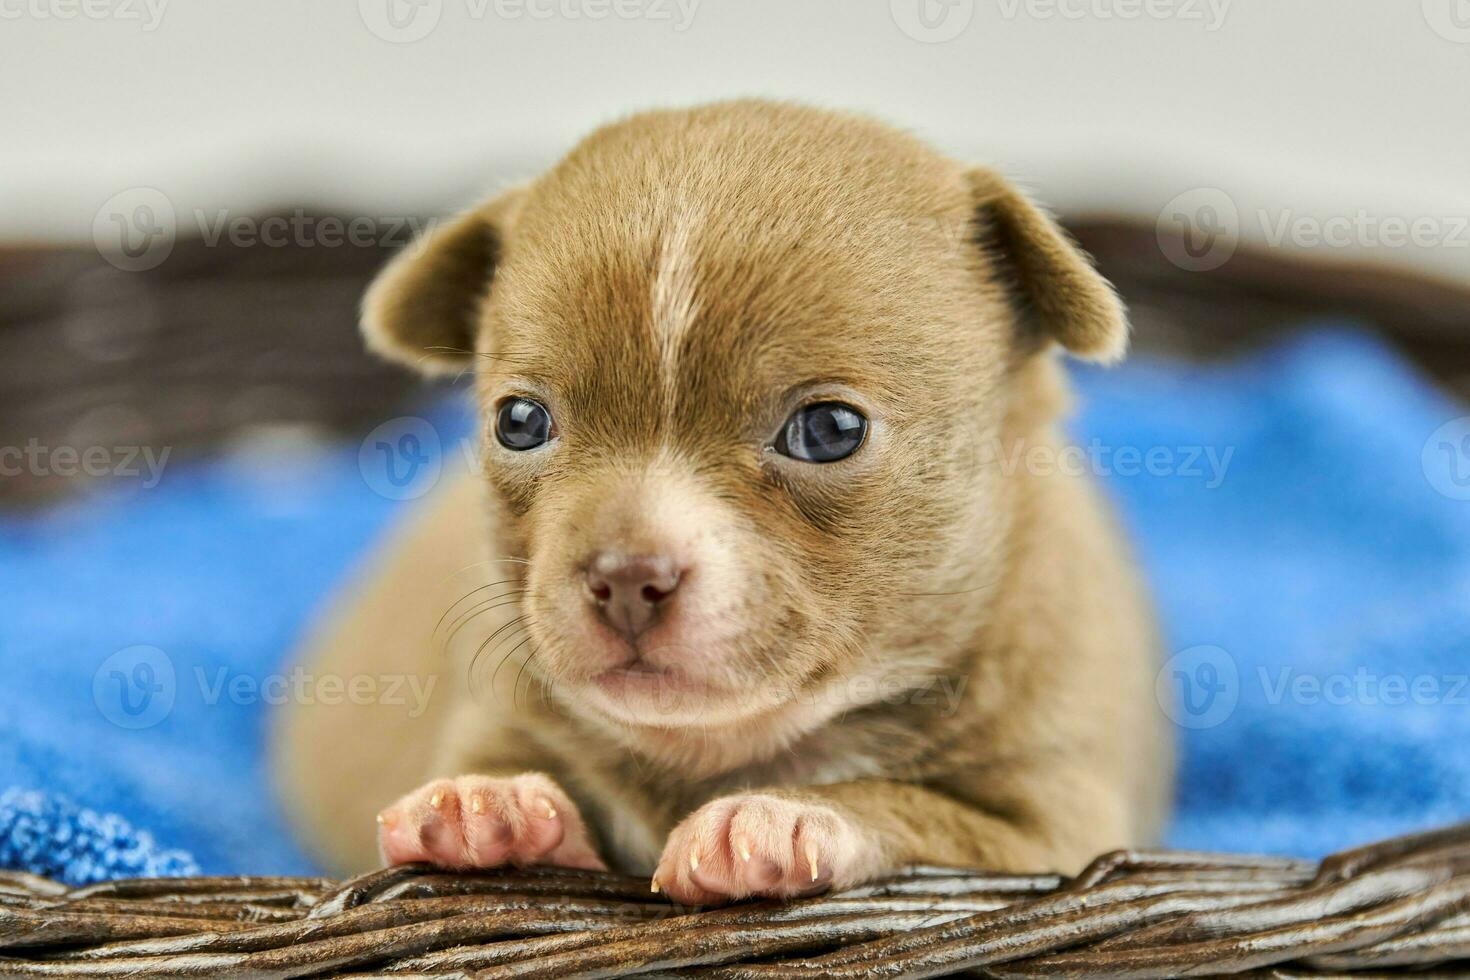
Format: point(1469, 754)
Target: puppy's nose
point(631, 591)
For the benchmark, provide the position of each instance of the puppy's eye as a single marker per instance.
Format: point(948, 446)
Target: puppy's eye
point(523, 424)
point(822, 433)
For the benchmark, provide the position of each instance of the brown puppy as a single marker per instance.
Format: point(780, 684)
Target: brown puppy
point(779, 615)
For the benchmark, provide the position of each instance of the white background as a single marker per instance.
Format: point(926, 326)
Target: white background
point(1315, 108)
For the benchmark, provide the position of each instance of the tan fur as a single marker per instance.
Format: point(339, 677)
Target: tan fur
point(675, 301)
point(671, 290)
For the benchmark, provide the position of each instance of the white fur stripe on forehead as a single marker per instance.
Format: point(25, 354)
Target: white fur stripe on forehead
point(674, 302)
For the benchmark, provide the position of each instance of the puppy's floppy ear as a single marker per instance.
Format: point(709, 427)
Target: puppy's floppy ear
point(1057, 291)
point(422, 308)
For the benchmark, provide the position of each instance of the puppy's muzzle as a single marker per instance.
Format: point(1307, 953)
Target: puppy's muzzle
point(631, 592)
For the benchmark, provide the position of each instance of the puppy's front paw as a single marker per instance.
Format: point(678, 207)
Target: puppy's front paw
point(756, 844)
point(484, 822)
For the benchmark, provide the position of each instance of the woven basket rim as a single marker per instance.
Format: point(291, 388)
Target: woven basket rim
point(1398, 905)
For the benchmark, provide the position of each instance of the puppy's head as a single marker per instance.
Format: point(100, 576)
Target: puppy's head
point(735, 363)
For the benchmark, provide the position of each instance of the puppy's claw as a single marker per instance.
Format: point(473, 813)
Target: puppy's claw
point(485, 822)
point(766, 846)
point(653, 886)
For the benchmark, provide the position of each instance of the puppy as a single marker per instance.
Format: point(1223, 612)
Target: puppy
point(782, 610)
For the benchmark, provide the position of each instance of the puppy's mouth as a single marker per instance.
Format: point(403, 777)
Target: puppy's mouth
point(647, 695)
point(661, 665)
point(640, 676)
point(668, 686)
point(689, 655)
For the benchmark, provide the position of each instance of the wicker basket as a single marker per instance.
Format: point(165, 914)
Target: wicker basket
point(1398, 907)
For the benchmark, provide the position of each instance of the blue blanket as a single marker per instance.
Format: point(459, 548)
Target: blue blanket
point(1303, 523)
